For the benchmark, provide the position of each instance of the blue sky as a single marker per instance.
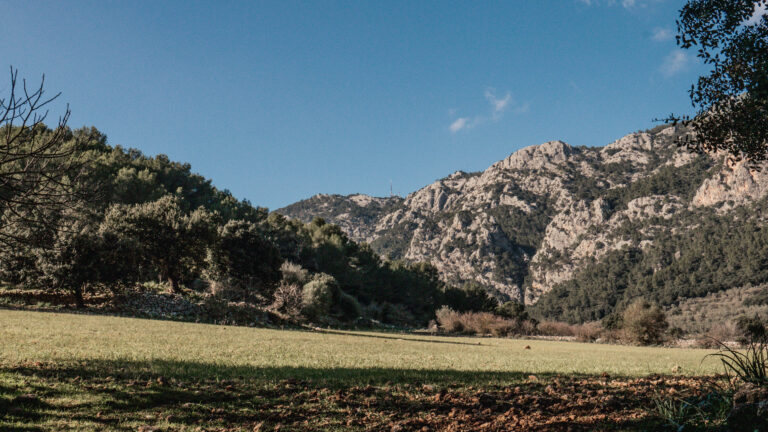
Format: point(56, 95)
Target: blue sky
point(278, 101)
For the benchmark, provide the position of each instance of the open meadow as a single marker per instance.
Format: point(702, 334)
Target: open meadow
point(88, 372)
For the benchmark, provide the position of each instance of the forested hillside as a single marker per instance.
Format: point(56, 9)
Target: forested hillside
point(139, 220)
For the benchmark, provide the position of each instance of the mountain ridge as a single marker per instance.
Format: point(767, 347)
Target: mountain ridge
point(532, 220)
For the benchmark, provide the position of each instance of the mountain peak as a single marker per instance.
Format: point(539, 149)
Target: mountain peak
point(539, 156)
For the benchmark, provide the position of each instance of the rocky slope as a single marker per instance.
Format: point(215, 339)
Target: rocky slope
point(531, 220)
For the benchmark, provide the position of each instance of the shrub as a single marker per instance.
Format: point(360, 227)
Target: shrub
point(395, 314)
point(676, 333)
point(482, 323)
point(758, 299)
point(752, 329)
point(512, 310)
point(349, 308)
point(288, 300)
point(527, 327)
point(245, 260)
point(319, 295)
point(722, 332)
point(588, 332)
point(555, 328)
point(644, 323)
point(449, 320)
point(470, 297)
point(293, 273)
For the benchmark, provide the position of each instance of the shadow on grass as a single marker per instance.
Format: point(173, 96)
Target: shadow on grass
point(396, 337)
point(327, 377)
point(173, 395)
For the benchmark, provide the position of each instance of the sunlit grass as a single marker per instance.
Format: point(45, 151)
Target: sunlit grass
point(88, 372)
point(30, 336)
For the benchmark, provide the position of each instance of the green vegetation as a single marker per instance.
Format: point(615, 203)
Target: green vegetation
point(714, 314)
point(334, 205)
point(718, 253)
point(731, 99)
point(141, 219)
point(394, 243)
point(644, 323)
point(666, 180)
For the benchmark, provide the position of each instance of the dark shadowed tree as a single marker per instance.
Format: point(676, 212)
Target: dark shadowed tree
point(83, 257)
point(244, 258)
point(731, 101)
point(172, 242)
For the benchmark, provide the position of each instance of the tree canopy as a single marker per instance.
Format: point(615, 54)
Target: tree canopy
point(731, 101)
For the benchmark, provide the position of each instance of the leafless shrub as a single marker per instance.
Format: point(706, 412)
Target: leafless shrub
point(449, 320)
point(38, 166)
point(725, 331)
point(588, 332)
point(555, 328)
point(482, 323)
point(288, 300)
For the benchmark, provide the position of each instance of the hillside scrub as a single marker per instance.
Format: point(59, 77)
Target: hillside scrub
point(722, 252)
point(155, 220)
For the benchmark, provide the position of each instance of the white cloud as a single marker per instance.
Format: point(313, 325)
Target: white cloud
point(675, 62)
point(627, 4)
point(497, 104)
point(661, 34)
point(522, 109)
point(459, 124)
point(761, 9)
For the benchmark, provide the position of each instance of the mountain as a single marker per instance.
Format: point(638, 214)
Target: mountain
point(574, 231)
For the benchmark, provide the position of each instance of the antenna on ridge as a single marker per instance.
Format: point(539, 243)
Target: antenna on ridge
point(390, 189)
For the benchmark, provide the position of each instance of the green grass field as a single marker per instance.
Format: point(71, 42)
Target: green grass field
point(88, 372)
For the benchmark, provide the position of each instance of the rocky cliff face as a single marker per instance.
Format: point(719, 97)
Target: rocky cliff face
point(529, 221)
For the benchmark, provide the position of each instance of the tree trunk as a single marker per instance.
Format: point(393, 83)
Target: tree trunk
point(78, 292)
point(175, 288)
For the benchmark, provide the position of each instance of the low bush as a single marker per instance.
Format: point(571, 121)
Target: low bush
point(512, 310)
point(556, 328)
point(482, 323)
point(349, 308)
point(389, 313)
point(470, 297)
point(288, 300)
point(293, 273)
point(319, 295)
point(752, 329)
point(644, 323)
point(449, 320)
point(723, 332)
point(757, 299)
point(588, 332)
